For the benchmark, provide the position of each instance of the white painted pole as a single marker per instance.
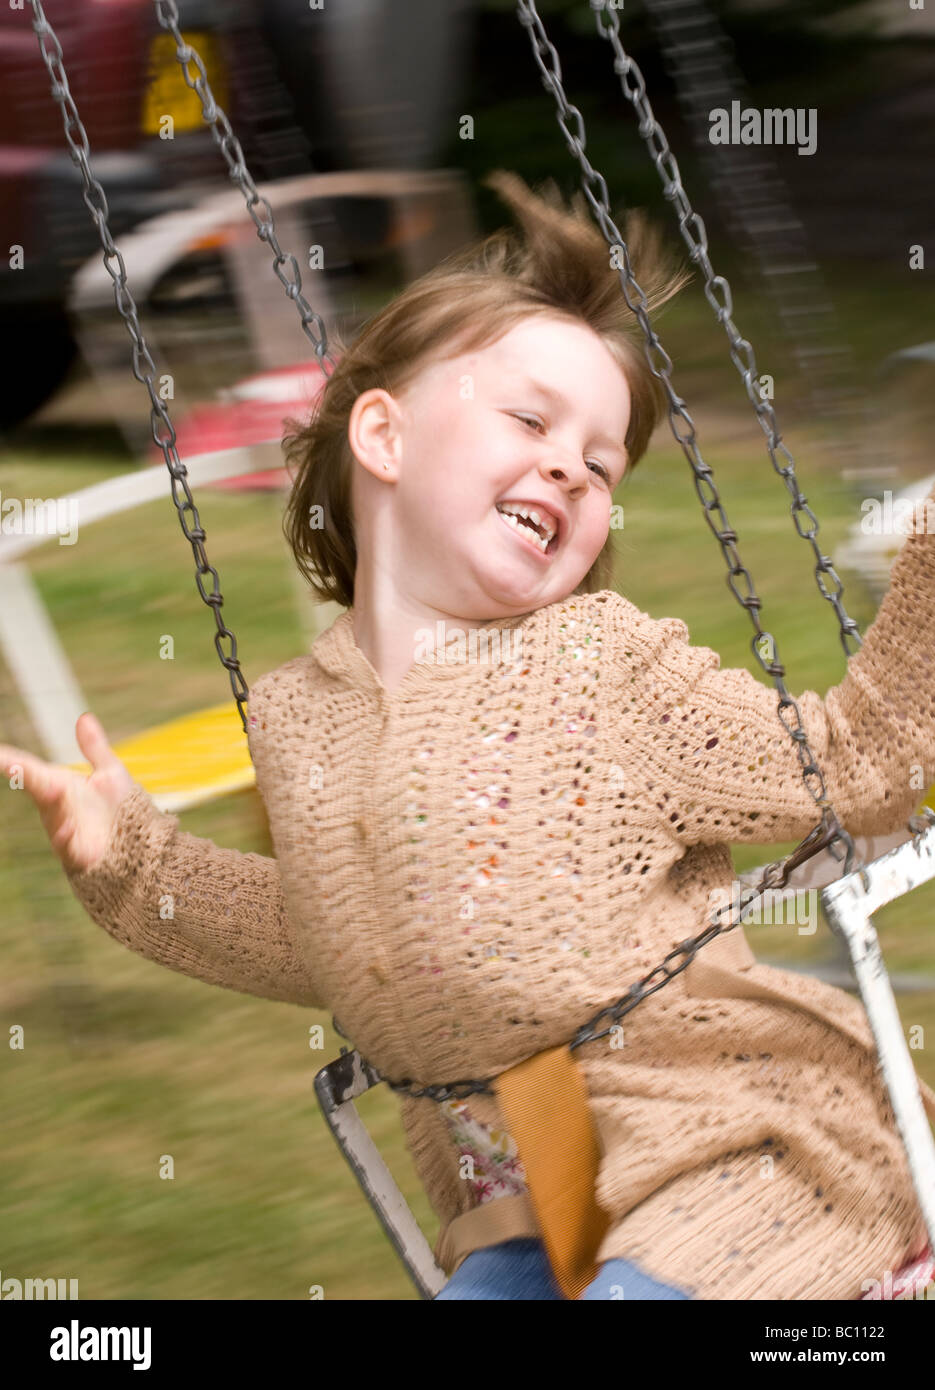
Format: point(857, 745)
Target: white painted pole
point(39, 666)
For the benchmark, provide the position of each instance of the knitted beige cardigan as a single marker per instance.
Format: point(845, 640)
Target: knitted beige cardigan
point(469, 867)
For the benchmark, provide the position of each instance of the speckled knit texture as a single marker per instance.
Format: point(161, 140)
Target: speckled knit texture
point(471, 866)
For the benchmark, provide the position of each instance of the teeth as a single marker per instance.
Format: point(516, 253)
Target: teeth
point(511, 511)
point(541, 541)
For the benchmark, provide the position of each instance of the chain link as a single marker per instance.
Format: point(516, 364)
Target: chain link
point(257, 206)
point(829, 833)
point(757, 209)
point(775, 876)
point(741, 351)
point(142, 363)
point(143, 367)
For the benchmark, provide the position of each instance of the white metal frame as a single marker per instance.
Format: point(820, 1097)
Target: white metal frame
point(28, 639)
point(849, 905)
point(337, 1087)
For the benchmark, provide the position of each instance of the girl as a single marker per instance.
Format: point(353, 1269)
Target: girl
point(499, 793)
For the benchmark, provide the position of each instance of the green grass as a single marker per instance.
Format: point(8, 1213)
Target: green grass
point(125, 1062)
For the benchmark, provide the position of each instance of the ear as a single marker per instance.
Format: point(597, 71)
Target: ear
point(374, 433)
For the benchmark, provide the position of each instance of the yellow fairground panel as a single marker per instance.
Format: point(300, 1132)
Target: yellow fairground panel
point(166, 92)
point(190, 760)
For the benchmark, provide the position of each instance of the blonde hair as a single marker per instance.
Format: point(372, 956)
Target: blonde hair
point(559, 266)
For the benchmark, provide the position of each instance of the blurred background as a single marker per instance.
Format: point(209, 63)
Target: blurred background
point(353, 124)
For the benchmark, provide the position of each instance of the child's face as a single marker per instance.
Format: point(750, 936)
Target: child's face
point(474, 433)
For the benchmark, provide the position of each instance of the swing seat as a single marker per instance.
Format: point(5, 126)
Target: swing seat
point(339, 1084)
point(188, 761)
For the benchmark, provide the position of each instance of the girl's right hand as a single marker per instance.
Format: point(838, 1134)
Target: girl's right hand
point(77, 811)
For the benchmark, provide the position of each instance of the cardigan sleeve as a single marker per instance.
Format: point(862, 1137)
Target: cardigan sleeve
point(721, 767)
point(216, 914)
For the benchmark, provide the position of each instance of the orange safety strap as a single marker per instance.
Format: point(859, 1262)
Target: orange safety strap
point(544, 1102)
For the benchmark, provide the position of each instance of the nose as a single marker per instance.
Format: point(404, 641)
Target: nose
point(570, 473)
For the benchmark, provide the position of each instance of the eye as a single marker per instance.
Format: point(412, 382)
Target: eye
point(532, 420)
point(529, 420)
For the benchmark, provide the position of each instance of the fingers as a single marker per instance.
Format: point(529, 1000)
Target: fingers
point(93, 742)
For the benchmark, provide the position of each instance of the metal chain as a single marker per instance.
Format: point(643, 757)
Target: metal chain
point(823, 836)
point(758, 212)
point(716, 289)
point(168, 16)
point(829, 833)
point(661, 366)
point(163, 432)
point(142, 363)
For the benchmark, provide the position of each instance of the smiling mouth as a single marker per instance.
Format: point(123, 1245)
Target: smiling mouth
point(529, 532)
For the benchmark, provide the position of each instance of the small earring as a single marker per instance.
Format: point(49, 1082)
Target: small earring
point(386, 465)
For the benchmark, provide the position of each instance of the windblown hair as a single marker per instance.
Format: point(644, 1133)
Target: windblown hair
point(562, 266)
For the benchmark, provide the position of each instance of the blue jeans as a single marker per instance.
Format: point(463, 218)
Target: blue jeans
point(520, 1269)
